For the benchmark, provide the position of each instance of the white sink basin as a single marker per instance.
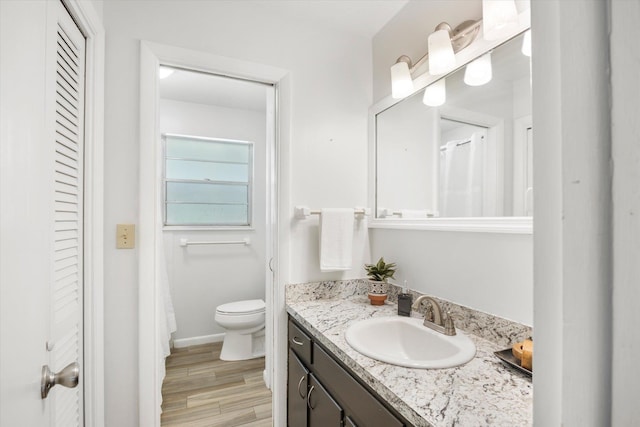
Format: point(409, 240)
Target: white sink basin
point(405, 341)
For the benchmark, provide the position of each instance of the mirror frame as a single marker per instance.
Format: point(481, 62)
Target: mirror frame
point(517, 225)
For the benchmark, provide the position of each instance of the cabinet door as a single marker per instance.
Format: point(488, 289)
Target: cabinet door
point(297, 381)
point(348, 422)
point(360, 405)
point(323, 410)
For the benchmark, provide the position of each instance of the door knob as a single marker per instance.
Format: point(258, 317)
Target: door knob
point(68, 377)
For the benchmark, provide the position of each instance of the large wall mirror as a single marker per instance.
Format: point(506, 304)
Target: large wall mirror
point(466, 161)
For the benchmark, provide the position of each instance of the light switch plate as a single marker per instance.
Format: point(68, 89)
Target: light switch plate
point(125, 236)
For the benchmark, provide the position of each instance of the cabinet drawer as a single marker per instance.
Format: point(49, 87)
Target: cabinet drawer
point(300, 343)
point(359, 404)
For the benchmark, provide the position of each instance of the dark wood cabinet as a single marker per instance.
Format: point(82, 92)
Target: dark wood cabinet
point(298, 382)
point(322, 393)
point(362, 407)
point(300, 343)
point(348, 422)
point(308, 402)
point(323, 410)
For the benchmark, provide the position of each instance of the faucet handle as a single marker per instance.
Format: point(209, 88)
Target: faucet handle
point(449, 327)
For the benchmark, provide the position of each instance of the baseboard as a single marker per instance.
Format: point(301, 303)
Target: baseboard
point(205, 339)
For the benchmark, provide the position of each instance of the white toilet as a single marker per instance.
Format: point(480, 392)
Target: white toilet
point(244, 323)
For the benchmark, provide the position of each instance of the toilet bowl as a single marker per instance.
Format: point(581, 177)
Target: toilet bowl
point(244, 324)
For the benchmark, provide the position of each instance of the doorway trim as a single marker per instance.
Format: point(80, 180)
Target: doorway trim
point(91, 27)
point(151, 56)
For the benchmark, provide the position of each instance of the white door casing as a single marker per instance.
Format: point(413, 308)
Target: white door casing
point(151, 56)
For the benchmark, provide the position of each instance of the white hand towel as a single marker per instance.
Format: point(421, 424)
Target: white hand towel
point(336, 239)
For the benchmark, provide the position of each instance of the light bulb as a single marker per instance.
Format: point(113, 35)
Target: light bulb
point(441, 56)
point(478, 72)
point(435, 94)
point(401, 83)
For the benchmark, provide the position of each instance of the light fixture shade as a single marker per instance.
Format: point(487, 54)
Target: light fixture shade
point(441, 56)
point(499, 18)
point(479, 72)
point(526, 43)
point(435, 94)
point(401, 82)
point(164, 72)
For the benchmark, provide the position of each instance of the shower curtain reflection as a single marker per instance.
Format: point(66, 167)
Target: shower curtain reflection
point(461, 176)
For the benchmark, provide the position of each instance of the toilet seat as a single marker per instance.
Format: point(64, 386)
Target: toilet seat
point(242, 308)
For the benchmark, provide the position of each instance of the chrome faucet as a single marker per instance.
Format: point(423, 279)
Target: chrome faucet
point(436, 323)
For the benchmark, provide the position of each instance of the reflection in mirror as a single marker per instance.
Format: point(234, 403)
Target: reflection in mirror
point(461, 176)
point(470, 157)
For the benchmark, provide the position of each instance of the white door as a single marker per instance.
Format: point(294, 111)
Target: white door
point(41, 179)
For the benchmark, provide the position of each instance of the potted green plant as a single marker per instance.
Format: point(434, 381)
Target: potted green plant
point(378, 274)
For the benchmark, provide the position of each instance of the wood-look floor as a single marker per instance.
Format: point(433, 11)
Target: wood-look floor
point(200, 390)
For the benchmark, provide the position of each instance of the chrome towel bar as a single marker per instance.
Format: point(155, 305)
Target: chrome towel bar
point(302, 212)
point(186, 242)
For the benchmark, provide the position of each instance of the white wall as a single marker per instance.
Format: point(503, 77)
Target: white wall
point(626, 201)
point(486, 271)
point(521, 98)
point(330, 95)
point(203, 277)
point(98, 6)
point(478, 270)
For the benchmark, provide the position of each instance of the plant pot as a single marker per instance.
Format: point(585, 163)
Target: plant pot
point(377, 292)
point(377, 299)
point(376, 287)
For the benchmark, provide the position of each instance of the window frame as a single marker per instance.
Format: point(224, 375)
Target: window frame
point(250, 184)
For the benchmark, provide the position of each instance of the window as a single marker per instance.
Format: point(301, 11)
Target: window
point(207, 181)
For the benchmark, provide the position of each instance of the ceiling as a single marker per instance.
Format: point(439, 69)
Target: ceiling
point(359, 17)
point(210, 89)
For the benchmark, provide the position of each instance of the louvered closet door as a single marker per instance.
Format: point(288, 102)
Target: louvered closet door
point(41, 181)
point(67, 238)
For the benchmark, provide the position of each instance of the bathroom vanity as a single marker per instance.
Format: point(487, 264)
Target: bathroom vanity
point(329, 383)
point(326, 393)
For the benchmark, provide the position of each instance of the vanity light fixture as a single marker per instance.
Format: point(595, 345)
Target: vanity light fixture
point(441, 56)
point(478, 72)
point(526, 43)
point(500, 17)
point(401, 82)
point(458, 38)
point(435, 94)
point(164, 72)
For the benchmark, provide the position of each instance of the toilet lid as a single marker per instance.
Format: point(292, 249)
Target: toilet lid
point(242, 307)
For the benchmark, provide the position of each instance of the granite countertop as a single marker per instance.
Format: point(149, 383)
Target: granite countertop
point(481, 392)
